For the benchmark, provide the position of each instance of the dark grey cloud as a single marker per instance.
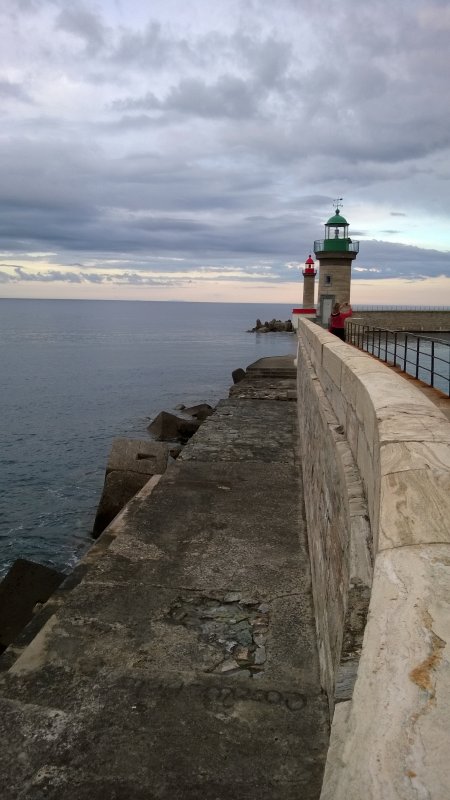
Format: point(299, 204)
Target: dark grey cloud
point(84, 24)
point(228, 96)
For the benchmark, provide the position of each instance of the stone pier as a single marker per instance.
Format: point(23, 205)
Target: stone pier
point(180, 661)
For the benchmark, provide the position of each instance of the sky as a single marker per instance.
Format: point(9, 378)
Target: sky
point(168, 150)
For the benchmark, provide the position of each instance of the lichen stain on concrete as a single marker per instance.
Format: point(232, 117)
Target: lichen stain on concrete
point(237, 629)
point(422, 674)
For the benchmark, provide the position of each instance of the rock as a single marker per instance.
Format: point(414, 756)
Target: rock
point(244, 637)
point(259, 639)
point(180, 407)
point(25, 586)
point(258, 324)
point(232, 597)
point(242, 655)
point(260, 655)
point(238, 375)
point(201, 411)
point(170, 427)
point(274, 326)
point(119, 487)
point(229, 666)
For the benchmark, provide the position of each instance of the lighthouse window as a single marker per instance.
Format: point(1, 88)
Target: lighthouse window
point(328, 280)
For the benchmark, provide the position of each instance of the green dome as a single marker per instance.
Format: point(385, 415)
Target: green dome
point(337, 220)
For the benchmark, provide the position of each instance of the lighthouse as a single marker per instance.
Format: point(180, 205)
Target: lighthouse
point(309, 280)
point(335, 254)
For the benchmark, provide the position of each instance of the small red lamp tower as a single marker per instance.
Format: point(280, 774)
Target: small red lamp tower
point(309, 275)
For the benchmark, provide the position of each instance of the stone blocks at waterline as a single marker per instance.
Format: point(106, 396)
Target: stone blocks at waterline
point(172, 427)
point(25, 585)
point(131, 463)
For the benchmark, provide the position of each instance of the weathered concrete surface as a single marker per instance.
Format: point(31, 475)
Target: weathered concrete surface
point(184, 664)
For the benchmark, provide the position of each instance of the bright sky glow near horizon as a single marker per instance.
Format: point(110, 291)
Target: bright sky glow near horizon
point(192, 151)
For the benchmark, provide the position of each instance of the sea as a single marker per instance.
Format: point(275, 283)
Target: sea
point(75, 374)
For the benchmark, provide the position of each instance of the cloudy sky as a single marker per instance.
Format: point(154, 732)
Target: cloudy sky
point(159, 149)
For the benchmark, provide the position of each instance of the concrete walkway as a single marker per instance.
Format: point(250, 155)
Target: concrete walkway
point(183, 664)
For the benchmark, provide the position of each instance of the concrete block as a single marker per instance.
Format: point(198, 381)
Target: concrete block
point(353, 366)
point(201, 411)
point(369, 477)
point(414, 508)
point(138, 455)
point(396, 738)
point(338, 738)
point(332, 361)
point(238, 375)
point(388, 389)
point(334, 396)
point(366, 415)
point(316, 351)
point(119, 488)
point(352, 430)
point(25, 584)
point(383, 397)
point(409, 424)
point(401, 456)
point(170, 427)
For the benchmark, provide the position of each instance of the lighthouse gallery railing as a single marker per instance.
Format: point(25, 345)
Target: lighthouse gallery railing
point(421, 356)
point(336, 245)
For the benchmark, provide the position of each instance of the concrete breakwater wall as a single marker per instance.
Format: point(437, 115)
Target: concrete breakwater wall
point(425, 321)
point(362, 426)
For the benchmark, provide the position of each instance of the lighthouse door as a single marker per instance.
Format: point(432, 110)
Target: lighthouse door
point(326, 304)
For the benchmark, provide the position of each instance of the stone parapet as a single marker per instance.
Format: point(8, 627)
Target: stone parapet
point(391, 739)
point(338, 527)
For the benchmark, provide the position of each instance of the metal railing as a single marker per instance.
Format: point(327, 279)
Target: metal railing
point(336, 245)
point(425, 358)
point(362, 307)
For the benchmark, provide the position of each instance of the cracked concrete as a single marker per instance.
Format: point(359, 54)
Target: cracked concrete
point(122, 695)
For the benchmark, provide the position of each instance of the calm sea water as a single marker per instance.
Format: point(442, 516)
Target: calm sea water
point(76, 374)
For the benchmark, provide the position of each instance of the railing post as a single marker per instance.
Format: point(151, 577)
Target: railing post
point(417, 356)
point(395, 349)
point(406, 350)
point(385, 347)
point(432, 364)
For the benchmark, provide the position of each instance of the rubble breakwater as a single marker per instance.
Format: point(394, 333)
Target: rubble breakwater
point(274, 326)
